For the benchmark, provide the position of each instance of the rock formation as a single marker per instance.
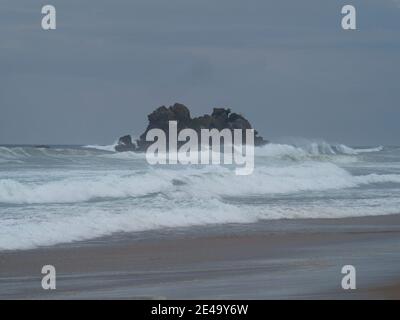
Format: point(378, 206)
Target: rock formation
point(219, 119)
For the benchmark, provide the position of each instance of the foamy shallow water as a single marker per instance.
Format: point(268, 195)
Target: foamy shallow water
point(66, 194)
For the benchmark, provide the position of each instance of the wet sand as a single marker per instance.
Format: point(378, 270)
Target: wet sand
point(286, 259)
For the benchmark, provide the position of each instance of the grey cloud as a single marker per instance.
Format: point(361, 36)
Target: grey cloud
point(287, 65)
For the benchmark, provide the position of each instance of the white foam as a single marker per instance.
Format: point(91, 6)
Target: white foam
point(128, 155)
point(87, 194)
point(63, 224)
point(110, 148)
point(72, 190)
point(354, 151)
point(66, 226)
point(206, 182)
point(310, 176)
point(367, 150)
point(305, 147)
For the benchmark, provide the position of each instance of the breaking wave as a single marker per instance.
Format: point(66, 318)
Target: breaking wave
point(90, 191)
point(295, 151)
point(311, 150)
point(200, 183)
point(109, 148)
point(75, 223)
point(23, 153)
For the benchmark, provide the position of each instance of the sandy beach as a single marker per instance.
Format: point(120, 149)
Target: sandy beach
point(283, 259)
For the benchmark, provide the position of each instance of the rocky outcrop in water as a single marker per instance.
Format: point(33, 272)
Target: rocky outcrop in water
point(220, 119)
point(125, 144)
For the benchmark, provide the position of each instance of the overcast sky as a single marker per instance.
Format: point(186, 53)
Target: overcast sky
point(286, 65)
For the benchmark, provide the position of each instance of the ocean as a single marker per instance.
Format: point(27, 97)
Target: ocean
point(65, 194)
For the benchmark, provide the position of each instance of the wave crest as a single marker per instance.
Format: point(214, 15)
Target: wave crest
point(195, 183)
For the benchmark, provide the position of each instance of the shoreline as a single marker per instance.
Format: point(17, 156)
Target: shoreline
point(283, 259)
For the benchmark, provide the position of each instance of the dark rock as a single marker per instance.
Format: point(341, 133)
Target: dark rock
point(177, 182)
point(181, 113)
point(125, 144)
point(219, 119)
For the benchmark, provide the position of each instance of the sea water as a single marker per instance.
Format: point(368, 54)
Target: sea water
point(64, 194)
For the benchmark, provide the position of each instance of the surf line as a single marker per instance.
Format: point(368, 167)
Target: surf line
point(199, 150)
